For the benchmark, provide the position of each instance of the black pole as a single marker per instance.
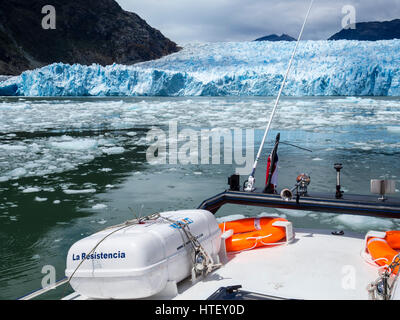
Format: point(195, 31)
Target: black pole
point(274, 155)
point(339, 193)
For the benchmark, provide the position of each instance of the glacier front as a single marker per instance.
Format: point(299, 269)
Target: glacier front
point(330, 68)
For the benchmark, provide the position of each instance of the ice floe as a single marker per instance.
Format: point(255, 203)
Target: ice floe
point(99, 206)
point(83, 191)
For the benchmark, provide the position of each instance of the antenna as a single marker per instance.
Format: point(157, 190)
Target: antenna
point(293, 145)
point(251, 180)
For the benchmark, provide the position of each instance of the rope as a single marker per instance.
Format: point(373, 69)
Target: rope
point(383, 281)
point(202, 261)
point(259, 239)
point(368, 259)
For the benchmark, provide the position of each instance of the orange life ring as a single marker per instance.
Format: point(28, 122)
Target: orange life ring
point(252, 233)
point(383, 251)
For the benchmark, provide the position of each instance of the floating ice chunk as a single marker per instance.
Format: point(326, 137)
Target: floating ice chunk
point(38, 199)
point(105, 169)
point(56, 201)
point(68, 191)
point(272, 215)
point(113, 150)
point(363, 223)
point(88, 185)
point(34, 147)
point(77, 144)
point(18, 172)
point(31, 190)
point(46, 155)
point(394, 129)
point(294, 213)
point(99, 206)
point(10, 147)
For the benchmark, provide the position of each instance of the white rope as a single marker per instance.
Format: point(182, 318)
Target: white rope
point(368, 259)
point(256, 243)
point(259, 238)
point(251, 178)
point(273, 243)
point(197, 248)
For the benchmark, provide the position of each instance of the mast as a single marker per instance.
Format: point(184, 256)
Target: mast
point(251, 180)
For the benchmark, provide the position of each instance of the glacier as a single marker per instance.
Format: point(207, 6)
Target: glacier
point(321, 68)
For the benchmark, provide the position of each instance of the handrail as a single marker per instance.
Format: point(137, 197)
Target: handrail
point(41, 291)
point(350, 204)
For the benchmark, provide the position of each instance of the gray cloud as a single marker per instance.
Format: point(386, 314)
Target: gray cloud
point(239, 20)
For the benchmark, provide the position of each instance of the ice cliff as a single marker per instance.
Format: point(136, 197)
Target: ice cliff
point(331, 68)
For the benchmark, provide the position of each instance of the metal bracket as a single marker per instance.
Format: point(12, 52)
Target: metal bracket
point(222, 255)
point(288, 229)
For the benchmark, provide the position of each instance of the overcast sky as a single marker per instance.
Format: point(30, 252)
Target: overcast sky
point(240, 20)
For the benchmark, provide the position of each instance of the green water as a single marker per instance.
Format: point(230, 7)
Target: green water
point(360, 133)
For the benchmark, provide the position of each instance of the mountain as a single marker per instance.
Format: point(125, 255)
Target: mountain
point(274, 37)
point(4, 78)
point(87, 31)
point(372, 31)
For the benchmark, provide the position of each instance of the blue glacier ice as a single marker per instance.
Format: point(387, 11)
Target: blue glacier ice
point(331, 68)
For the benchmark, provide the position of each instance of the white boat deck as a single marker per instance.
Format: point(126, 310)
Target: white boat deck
point(316, 265)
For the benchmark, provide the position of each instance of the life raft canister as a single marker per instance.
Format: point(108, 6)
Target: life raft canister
point(250, 233)
point(383, 250)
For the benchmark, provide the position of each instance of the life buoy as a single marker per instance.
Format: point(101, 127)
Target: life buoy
point(383, 250)
point(250, 233)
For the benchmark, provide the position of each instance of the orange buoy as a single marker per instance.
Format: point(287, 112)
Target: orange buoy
point(250, 233)
point(383, 250)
